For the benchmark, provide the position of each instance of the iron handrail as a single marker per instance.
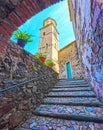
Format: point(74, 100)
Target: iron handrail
point(19, 84)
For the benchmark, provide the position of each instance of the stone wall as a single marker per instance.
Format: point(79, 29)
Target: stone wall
point(69, 54)
point(88, 26)
point(19, 103)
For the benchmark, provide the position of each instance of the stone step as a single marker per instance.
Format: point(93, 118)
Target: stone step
point(83, 82)
point(77, 110)
point(72, 83)
point(83, 101)
point(78, 81)
point(71, 117)
point(71, 89)
point(72, 94)
point(71, 80)
point(79, 113)
point(71, 86)
point(47, 123)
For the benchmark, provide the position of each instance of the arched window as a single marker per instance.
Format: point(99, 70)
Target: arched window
point(46, 46)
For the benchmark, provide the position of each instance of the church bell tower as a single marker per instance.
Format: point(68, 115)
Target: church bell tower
point(49, 41)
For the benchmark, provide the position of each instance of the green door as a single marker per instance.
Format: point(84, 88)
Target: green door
point(69, 72)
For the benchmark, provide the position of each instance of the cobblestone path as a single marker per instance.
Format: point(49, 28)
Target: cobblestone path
point(71, 105)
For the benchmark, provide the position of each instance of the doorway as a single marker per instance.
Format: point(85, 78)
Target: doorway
point(69, 70)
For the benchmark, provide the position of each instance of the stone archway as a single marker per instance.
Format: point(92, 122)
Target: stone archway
point(13, 13)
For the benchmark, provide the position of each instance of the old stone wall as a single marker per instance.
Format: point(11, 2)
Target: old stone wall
point(88, 26)
point(69, 54)
point(16, 65)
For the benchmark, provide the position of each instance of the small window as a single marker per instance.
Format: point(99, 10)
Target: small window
point(46, 46)
point(43, 33)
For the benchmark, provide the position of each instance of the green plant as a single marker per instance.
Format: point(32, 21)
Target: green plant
point(22, 35)
point(38, 55)
point(49, 62)
point(34, 67)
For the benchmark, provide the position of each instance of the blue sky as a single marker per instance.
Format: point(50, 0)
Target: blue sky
point(58, 12)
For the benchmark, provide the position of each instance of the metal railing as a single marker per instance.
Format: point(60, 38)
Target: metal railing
point(20, 84)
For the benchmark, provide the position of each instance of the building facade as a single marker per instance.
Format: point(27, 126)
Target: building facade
point(69, 64)
point(66, 60)
point(49, 42)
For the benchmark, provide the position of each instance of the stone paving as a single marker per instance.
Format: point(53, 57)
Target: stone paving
point(67, 113)
point(80, 93)
point(71, 86)
point(72, 89)
point(72, 100)
point(79, 110)
point(45, 123)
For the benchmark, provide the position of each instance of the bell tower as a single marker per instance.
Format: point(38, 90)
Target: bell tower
point(49, 41)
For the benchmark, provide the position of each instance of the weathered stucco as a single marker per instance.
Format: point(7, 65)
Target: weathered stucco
point(69, 54)
point(88, 26)
point(19, 103)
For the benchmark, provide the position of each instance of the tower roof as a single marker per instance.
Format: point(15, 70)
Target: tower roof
point(49, 21)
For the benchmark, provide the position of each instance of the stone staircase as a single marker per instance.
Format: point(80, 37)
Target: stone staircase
point(71, 105)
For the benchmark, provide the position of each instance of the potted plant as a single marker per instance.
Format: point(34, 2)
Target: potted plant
point(40, 56)
point(49, 63)
point(22, 37)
